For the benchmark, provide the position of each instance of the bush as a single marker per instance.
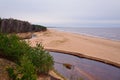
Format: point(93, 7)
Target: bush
point(27, 69)
point(41, 59)
point(12, 47)
point(11, 73)
point(30, 60)
point(24, 71)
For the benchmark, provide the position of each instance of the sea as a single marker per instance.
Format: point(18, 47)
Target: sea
point(112, 33)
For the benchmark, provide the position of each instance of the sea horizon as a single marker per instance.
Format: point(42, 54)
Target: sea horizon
point(110, 33)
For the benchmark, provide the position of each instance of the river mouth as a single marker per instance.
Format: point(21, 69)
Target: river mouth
point(75, 68)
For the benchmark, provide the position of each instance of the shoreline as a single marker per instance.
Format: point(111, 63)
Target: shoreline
point(85, 56)
point(102, 50)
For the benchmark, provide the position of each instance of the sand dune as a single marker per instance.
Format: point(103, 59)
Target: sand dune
point(107, 51)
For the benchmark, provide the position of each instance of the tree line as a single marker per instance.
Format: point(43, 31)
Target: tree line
point(17, 26)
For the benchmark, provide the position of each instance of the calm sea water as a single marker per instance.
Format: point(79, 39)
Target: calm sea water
point(107, 33)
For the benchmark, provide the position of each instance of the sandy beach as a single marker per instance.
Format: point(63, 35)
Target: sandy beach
point(107, 51)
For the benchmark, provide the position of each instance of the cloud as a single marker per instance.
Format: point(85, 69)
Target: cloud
point(62, 11)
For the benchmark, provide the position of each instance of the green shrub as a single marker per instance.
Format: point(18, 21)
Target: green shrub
point(42, 60)
point(30, 60)
point(27, 69)
point(12, 47)
point(11, 73)
point(24, 71)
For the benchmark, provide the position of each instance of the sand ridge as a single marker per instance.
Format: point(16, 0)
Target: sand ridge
point(107, 51)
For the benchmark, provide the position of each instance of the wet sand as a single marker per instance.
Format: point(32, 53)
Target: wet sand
point(107, 51)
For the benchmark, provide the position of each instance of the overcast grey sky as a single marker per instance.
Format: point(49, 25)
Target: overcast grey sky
point(67, 13)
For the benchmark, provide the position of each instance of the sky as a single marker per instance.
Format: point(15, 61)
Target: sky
point(64, 13)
